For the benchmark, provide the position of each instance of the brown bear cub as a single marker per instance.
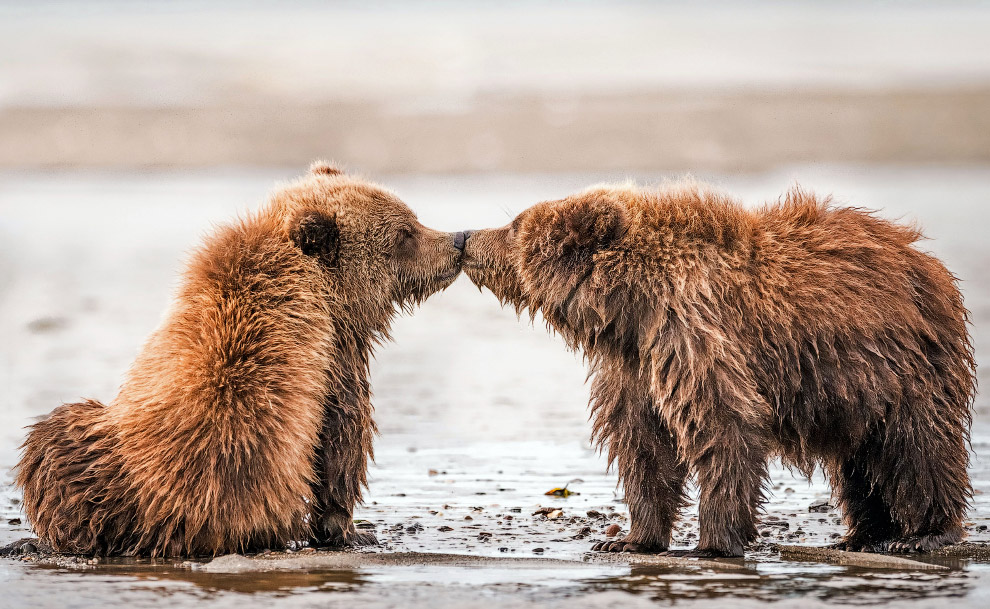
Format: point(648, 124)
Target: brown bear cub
point(246, 420)
point(719, 337)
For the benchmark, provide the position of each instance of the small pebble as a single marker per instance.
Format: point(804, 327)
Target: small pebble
point(612, 530)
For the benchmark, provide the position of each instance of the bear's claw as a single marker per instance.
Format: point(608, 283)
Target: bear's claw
point(909, 545)
point(698, 553)
point(624, 545)
point(362, 539)
point(856, 546)
point(905, 545)
point(350, 539)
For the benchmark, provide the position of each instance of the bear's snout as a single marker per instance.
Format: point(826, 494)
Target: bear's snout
point(460, 239)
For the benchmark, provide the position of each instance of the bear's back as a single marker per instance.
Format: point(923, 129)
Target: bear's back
point(216, 413)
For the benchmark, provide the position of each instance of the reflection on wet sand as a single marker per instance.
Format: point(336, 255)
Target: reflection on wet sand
point(790, 580)
point(149, 574)
point(762, 577)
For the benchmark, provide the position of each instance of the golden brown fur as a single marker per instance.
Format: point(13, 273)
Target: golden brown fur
point(719, 337)
point(246, 420)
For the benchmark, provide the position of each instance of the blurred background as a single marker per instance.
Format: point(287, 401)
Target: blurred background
point(443, 87)
point(129, 129)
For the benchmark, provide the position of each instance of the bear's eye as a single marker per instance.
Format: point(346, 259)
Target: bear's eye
point(405, 241)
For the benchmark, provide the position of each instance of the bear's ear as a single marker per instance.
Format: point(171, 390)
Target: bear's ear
point(325, 168)
point(590, 224)
point(317, 234)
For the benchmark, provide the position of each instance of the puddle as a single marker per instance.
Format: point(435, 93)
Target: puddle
point(765, 579)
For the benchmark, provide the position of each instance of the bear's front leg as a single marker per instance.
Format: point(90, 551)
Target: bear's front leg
point(652, 474)
point(730, 461)
point(341, 469)
point(722, 425)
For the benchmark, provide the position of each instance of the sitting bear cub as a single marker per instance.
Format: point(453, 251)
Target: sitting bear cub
point(720, 337)
point(246, 420)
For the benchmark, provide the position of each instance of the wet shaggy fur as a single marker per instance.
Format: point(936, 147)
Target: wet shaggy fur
point(719, 337)
point(246, 420)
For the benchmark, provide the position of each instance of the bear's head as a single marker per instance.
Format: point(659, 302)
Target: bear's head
point(374, 253)
point(561, 259)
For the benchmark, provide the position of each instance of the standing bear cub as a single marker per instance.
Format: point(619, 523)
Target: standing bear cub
point(720, 337)
point(246, 420)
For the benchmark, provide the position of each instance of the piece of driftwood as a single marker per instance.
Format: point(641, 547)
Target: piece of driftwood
point(855, 559)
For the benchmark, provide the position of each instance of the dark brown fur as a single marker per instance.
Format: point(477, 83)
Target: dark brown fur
point(719, 337)
point(246, 420)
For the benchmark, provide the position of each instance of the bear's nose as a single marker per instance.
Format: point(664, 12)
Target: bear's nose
point(468, 233)
point(459, 239)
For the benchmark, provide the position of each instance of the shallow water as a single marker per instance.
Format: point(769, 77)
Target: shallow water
point(480, 414)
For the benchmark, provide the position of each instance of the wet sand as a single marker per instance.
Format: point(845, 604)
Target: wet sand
point(480, 413)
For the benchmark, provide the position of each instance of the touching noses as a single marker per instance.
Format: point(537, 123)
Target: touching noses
point(461, 238)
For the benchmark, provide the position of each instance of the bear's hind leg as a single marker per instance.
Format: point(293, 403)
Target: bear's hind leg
point(731, 476)
point(722, 426)
point(74, 492)
point(925, 483)
point(905, 490)
point(651, 472)
point(867, 516)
